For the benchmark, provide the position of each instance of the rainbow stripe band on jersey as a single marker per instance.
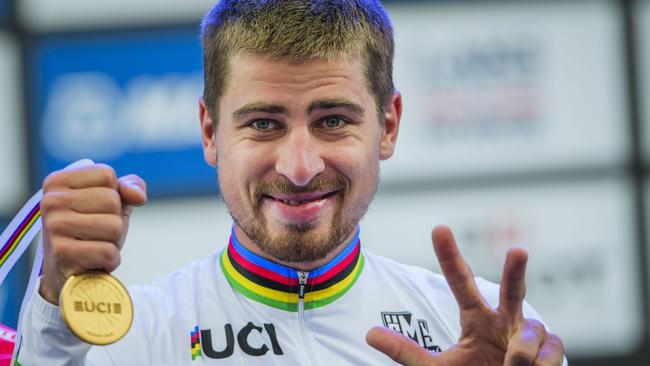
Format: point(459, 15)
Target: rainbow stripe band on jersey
point(16, 237)
point(277, 286)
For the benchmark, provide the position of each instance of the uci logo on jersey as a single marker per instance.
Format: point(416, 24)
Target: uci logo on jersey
point(202, 343)
point(418, 330)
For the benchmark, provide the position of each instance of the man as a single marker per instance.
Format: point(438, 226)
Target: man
point(298, 110)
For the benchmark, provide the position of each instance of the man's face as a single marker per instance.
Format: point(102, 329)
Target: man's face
point(298, 146)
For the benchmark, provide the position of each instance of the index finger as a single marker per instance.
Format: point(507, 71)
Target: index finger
point(455, 269)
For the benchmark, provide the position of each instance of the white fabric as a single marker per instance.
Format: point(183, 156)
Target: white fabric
point(168, 310)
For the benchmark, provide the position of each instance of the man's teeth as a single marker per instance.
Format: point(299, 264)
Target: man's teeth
point(292, 203)
point(296, 203)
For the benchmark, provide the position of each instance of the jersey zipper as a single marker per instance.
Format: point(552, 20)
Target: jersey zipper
point(302, 282)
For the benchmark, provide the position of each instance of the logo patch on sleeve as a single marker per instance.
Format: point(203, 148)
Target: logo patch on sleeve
point(417, 330)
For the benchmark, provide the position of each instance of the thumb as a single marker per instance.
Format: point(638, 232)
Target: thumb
point(401, 349)
point(133, 191)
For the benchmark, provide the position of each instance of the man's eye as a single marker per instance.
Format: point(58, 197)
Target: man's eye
point(333, 122)
point(263, 124)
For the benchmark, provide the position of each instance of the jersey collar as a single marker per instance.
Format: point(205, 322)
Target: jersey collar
point(278, 286)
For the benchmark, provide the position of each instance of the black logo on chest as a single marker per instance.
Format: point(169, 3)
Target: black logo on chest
point(204, 344)
point(417, 330)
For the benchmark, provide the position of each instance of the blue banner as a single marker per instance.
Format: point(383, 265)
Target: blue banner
point(5, 11)
point(127, 99)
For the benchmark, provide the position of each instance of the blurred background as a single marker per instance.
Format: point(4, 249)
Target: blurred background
point(525, 123)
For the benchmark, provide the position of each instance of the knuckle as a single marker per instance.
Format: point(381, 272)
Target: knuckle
point(50, 202)
point(107, 174)
point(535, 325)
point(53, 223)
point(60, 251)
point(53, 180)
point(110, 256)
point(114, 262)
point(521, 357)
point(114, 226)
point(555, 342)
point(112, 201)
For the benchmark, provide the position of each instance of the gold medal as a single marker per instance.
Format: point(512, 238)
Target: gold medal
point(96, 307)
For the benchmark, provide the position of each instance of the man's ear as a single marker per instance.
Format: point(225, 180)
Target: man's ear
point(392, 117)
point(208, 137)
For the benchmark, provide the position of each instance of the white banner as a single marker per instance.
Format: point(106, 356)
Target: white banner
point(498, 87)
point(47, 15)
point(583, 273)
point(13, 162)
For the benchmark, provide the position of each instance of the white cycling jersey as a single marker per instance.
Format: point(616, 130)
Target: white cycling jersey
point(237, 308)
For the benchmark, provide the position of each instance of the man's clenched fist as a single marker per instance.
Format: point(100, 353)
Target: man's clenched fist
point(85, 215)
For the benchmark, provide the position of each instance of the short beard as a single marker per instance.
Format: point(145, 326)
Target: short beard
point(300, 243)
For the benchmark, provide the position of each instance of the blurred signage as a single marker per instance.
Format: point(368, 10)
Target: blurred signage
point(643, 41)
point(13, 162)
point(504, 87)
point(47, 15)
point(5, 11)
point(129, 100)
point(583, 274)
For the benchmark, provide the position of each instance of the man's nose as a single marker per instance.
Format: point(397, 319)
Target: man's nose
point(299, 157)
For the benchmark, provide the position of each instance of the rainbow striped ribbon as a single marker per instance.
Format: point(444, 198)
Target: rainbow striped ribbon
point(15, 239)
point(14, 242)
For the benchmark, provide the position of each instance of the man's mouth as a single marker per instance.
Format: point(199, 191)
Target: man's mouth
point(300, 208)
point(301, 198)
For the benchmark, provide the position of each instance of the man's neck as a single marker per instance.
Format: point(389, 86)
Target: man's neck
point(245, 241)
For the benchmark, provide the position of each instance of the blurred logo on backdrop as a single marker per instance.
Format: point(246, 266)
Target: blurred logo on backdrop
point(129, 100)
point(499, 92)
point(483, 90)
point(89, 115)
point(581, 265)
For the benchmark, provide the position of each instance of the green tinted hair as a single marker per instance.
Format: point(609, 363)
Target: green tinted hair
point(298, 30)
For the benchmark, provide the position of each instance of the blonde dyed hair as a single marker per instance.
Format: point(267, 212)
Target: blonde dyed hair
point(298, 30)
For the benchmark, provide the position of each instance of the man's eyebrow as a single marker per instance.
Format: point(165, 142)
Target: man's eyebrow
point(336, 103)
point(258, 107)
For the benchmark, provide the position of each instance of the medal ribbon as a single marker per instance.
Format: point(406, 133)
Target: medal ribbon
point(15, 240)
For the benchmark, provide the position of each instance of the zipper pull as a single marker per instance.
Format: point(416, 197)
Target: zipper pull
point(302, 281)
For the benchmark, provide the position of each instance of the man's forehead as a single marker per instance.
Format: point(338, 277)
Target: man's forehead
point(243, 60)
point(258, 82)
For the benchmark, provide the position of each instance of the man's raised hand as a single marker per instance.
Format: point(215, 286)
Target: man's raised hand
point(489, 337)
point(85, 213)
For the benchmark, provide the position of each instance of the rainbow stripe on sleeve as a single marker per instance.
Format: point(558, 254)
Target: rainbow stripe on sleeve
point(277, 286)
point(18, 234)
point(195, 343)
